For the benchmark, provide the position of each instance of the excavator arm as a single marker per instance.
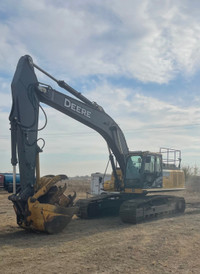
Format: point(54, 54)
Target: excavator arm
point(27, 93)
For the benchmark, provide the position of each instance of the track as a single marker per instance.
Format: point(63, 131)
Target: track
point(132, 209)
point(135, 211)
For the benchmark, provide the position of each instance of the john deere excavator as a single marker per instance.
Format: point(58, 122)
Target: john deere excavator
point(41, 204)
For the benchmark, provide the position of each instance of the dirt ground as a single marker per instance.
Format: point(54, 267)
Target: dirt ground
point(105, 245)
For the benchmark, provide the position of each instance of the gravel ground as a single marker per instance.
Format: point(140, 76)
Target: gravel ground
point(106, 245)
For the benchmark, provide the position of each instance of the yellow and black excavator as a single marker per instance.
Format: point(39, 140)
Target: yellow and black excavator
point(41, 204)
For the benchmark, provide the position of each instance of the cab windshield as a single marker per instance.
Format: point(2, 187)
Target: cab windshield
point(133, 167)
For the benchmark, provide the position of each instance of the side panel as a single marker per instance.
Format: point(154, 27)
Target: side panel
point(173, 179)
point(109, 185)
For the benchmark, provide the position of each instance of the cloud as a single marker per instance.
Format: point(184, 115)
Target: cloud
point(92, 44)
point(147, 122)
point(100, 38)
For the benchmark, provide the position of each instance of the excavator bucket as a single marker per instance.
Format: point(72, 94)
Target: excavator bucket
point(49, 209)
point(47, 217)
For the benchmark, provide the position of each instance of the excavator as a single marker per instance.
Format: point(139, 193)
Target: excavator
point(138, 177)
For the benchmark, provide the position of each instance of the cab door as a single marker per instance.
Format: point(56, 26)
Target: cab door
point(152, 177)
point(133, 178)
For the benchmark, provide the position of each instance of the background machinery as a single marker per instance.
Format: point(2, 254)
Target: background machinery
point(6, 182)
point(39, 205)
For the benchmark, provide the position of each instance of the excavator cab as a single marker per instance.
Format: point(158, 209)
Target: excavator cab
point(143, 171)
point(154, 172)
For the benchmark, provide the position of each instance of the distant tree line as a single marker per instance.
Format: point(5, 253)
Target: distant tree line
point(191, 171)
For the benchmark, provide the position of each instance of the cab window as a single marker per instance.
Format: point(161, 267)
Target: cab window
point(149, 166)
point(133, 167)
point(158, 165)
point(152, 164)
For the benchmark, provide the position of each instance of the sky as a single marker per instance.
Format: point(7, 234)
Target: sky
point(139, 60)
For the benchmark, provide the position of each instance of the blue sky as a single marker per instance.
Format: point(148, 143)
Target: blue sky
point(140, 60)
